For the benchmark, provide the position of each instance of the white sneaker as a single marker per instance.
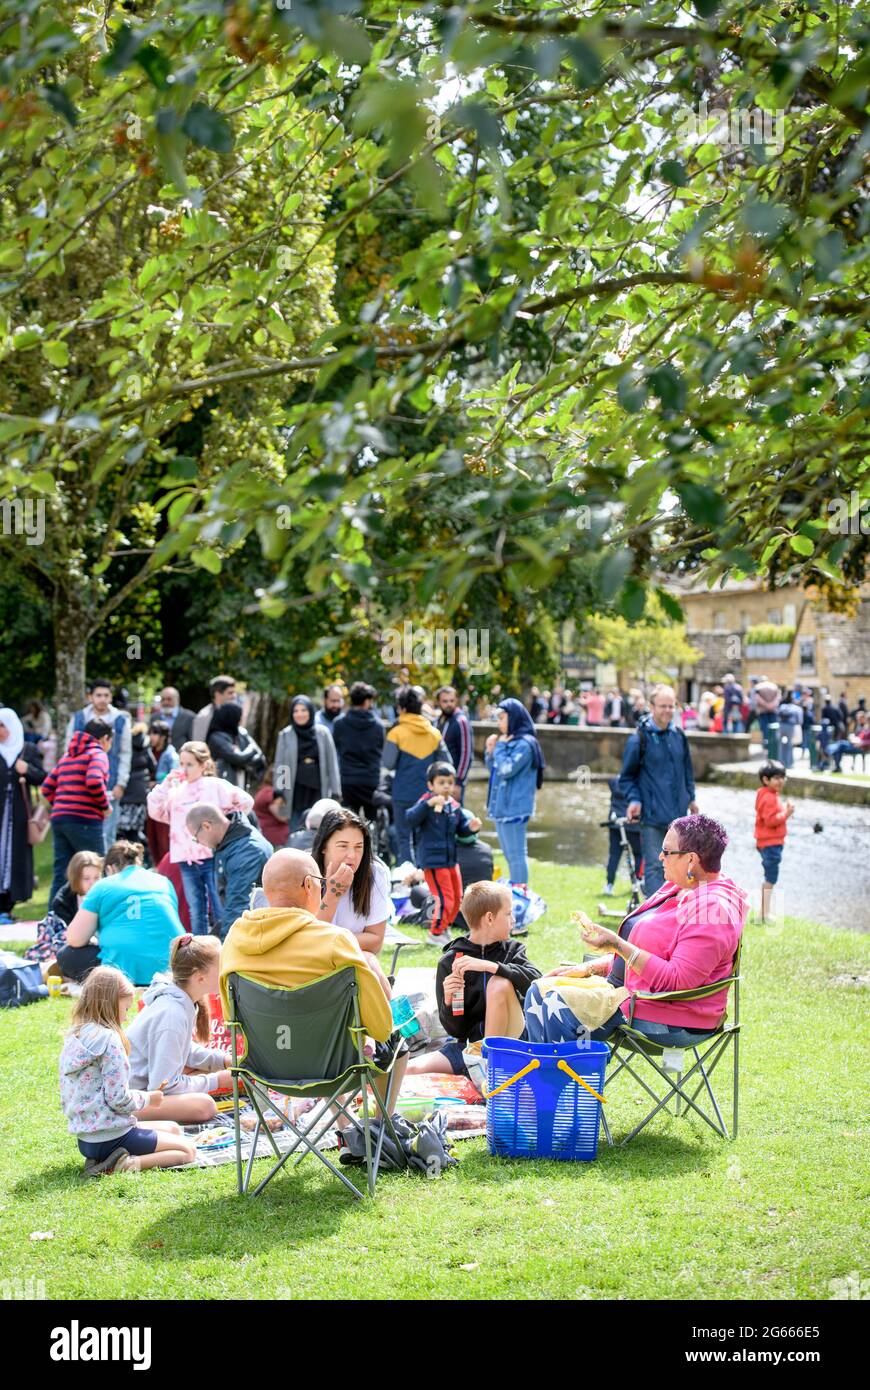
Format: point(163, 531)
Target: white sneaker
point(437, 938)
point(607, 890)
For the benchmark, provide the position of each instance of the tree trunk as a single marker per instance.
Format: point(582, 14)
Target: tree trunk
point(70, 653)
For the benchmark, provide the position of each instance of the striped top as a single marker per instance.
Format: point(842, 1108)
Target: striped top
point(76, 786)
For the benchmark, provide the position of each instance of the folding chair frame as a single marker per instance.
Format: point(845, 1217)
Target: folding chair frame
point(353, 1080)
point(707, 1055)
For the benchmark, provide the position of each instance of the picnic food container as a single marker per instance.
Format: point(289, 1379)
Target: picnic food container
point(544, 1099)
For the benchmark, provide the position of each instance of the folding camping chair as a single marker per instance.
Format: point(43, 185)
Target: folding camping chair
point(304, 1042)
point(393, 937)
point(628, 1046)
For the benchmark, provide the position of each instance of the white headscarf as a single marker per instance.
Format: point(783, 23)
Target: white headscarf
point(11, 747)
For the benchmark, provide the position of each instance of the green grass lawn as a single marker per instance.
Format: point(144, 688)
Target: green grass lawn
point(677, 1214)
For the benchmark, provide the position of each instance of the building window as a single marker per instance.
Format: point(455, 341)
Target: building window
point(789, 615)
point(807, 647)
point(774, 616)
point(720, 620)
point(745, 621)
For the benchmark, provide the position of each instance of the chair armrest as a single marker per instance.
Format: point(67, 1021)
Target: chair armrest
point(702, 992)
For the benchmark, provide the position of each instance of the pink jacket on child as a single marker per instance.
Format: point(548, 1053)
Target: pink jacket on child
point(171, 800)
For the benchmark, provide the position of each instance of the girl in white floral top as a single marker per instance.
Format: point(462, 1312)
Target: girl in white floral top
point(95, 1091)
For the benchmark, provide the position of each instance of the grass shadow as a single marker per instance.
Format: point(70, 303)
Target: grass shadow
point(297, 1208)
point(654, 1155)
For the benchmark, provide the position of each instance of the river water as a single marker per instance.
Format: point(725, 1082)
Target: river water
point(825, 874)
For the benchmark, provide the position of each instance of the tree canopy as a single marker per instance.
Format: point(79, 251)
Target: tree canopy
point(622, 334)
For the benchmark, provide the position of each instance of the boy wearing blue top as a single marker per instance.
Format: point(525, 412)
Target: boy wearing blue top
point(438, 818)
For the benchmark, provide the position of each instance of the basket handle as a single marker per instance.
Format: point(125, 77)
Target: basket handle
point(563, 1066)
point(532, 1066)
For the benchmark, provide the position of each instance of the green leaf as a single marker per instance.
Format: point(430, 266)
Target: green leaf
point(614, 572)
point(674, 172)
point(208, 128)
point(207, 559)
point(631, 392)
point(60, 102)
point(124, 50)
point(632, 600)
point(702, 504)
point(155, 65)
point(670, 387)
point(802, 544)
point(670, 604)
point(56, 353)
point(587, 64)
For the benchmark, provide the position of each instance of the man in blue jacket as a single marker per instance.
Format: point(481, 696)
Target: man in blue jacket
point(657, 780)
point(240, 853)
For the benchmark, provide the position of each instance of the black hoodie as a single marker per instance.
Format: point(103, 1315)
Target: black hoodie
point(359, 741)
point(513, 965)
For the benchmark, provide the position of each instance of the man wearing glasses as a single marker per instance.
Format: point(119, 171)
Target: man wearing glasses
point(657, 780)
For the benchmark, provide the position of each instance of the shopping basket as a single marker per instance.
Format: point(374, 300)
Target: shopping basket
point(544, 1099)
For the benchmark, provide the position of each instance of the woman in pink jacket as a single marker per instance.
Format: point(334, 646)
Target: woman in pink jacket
point(684, 936)
point(170, 802)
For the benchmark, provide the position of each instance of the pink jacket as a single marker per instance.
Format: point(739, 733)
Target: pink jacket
point(171, 800)
point(692, 935)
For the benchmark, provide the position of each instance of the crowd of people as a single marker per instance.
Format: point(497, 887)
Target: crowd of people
point(181, 860)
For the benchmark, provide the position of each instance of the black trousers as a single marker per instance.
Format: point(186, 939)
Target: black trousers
point(75, 962)
point(359, 799)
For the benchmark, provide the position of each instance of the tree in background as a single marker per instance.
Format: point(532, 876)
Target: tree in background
point(648, 650)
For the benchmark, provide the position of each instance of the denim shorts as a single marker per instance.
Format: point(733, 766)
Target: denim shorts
point(771, 857)
point(451, 1048)
point(137, 1140)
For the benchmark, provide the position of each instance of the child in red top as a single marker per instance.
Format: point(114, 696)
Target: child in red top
point(771, 815)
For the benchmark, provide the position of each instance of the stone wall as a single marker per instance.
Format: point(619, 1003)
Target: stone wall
point(567, 747)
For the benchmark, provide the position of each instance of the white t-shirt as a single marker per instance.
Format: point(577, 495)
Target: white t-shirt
point(379, 910)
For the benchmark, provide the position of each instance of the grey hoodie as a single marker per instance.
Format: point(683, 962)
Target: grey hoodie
point(161, 1043)
point(94, 1085)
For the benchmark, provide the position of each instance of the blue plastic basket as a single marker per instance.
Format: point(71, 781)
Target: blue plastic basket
point(545, 1114)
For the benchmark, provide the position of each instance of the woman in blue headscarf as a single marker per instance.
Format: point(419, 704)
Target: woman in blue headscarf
point(516, 766)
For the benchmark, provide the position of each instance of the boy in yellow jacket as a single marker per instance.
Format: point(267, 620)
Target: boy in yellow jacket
point(286, 944)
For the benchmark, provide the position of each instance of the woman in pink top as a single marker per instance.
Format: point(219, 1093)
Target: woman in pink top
point(684, 936)
point(170, 802)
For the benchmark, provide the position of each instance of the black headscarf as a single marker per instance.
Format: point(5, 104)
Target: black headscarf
point(226, 720)
point(304, 732)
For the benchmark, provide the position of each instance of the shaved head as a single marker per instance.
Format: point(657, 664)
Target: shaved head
point(284, 877)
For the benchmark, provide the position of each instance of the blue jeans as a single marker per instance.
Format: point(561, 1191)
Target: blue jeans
point(651, 840)
point(512, 838)
point(201, 893)
point(733, 721)
point(110, 824)
point(70, 834)
point(764, 722)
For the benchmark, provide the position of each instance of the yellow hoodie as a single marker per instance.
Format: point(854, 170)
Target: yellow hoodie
point(288, 946)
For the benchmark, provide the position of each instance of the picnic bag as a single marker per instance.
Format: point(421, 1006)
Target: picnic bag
point(20, 982)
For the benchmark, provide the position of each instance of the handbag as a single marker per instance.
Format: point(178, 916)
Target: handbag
point(20, 982)
point(38, 821)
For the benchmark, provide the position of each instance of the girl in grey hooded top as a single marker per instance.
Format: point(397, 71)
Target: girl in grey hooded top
point(167, 1037)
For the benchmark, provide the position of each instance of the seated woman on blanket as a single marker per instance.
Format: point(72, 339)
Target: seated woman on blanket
point(683, 937)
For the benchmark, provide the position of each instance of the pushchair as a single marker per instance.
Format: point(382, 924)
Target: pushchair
point(634, 870)
point(382, 837)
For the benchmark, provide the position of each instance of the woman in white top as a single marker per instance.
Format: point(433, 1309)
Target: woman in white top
point(356, 888)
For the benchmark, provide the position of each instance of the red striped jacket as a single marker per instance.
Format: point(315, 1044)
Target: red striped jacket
point(77, 785)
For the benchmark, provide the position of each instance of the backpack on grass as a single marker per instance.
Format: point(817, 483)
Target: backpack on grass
point(20, 981)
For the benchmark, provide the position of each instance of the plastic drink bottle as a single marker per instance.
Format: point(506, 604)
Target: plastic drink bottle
point(457, 1004)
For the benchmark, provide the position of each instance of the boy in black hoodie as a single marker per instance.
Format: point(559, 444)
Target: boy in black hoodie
point(491, 972)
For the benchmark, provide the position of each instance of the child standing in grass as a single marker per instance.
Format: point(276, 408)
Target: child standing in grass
point(438, 818)
point(771, 817)
point(94, 1086)
point(162, 1048)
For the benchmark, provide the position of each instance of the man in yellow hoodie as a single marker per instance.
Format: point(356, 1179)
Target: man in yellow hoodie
point(286, 944)
point(411, 746)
